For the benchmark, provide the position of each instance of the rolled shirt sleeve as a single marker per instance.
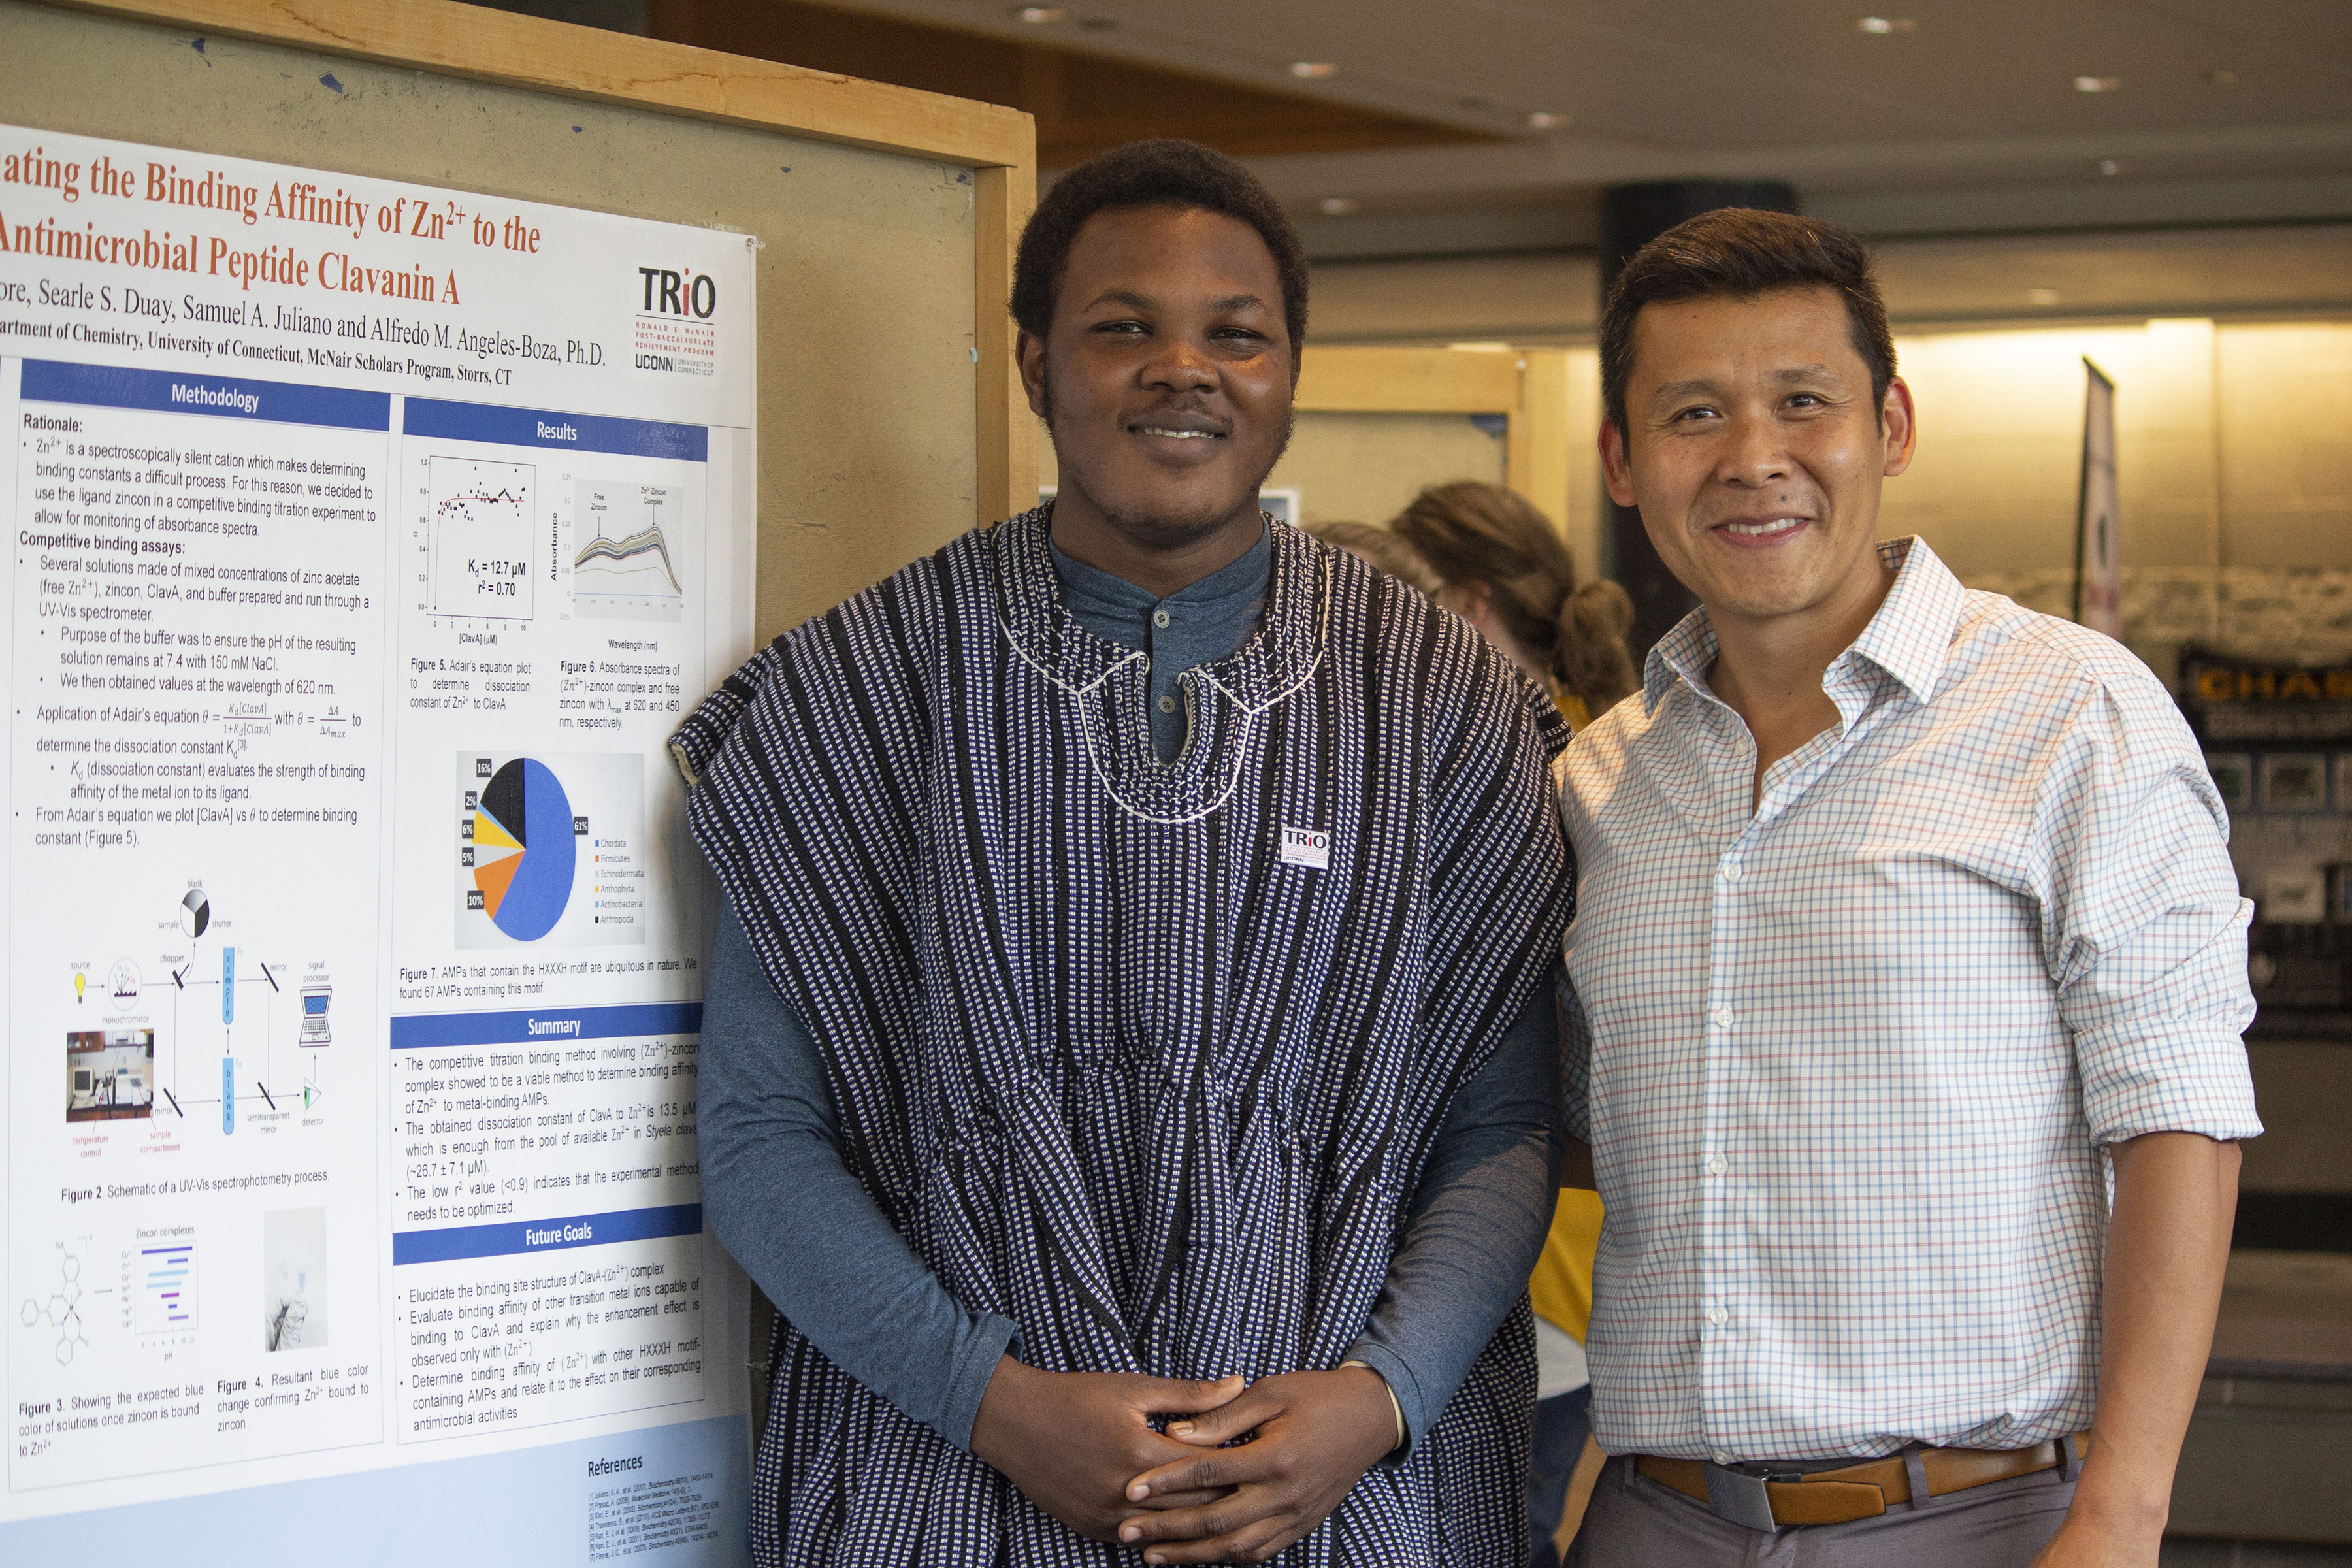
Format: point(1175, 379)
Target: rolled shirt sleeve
point(2144, 930)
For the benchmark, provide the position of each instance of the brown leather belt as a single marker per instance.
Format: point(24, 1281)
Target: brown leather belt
point(1853, 1491)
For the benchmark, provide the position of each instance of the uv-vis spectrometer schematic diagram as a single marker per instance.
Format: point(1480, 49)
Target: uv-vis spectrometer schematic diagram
point(550, 849)
point(151, 1054)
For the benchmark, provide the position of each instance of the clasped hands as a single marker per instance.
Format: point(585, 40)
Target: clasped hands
point(1081, 1446)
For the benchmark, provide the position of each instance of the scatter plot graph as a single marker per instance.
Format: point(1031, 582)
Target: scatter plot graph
point(479, 522)
point(625, 566)
point(60, 1311)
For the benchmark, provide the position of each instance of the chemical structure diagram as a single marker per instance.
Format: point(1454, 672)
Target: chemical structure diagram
point(62, 1311)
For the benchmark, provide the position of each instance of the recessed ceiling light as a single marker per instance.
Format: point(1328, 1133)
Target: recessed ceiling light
point(1885, 25)
point(2223, 78)
point(2098, 84)
point(2110, 167)
point(2042, 296)
point(1035, 15)
point(1339, 206)
point(1543, 119)
point(1313, 70)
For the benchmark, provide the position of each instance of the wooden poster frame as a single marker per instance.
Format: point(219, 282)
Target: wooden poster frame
point(1530, 387)
point(999, 144)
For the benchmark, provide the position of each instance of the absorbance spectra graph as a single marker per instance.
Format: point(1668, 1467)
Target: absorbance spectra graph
point(626, 568)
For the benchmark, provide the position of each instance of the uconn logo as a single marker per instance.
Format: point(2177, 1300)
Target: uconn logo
point(668, 293)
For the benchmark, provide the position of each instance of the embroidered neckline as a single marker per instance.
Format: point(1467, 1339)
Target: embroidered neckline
point(1108, 686)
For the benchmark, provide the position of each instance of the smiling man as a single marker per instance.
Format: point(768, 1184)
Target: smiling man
point(1131, 1030)
point(1906, 919)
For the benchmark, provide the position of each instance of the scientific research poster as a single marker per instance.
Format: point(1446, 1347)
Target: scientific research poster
point(369, 542)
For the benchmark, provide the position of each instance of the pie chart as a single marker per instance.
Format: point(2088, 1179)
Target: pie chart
point(523, 849)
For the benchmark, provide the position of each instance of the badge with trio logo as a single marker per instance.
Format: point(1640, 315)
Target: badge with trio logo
point(1306, 847)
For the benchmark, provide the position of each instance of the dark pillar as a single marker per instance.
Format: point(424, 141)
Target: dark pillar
point(613, 15)
point(1632, 216)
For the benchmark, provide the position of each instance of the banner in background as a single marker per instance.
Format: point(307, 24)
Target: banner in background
point(2098, 561)
point(370, 540)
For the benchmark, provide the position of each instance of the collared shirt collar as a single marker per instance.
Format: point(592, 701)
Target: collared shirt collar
point(1909, 637)
point(1281, 653)
point(1096, 596)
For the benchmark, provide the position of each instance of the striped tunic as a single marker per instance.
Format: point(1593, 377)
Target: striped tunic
point(1116, 1066)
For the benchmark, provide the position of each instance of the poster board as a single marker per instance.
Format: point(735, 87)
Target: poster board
point(888, 245)
point(502, 530)
point(1546, 415)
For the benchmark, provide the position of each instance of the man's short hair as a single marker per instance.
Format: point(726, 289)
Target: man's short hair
point(1162, 171)
point(1744, 252)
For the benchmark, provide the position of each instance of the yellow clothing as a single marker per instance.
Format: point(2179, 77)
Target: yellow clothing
point(1561, 1286)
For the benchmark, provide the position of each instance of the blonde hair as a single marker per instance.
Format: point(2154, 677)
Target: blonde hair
point(1382, 549)
point(1471, 532)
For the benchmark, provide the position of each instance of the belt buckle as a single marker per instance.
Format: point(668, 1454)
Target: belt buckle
point(1738, 1497)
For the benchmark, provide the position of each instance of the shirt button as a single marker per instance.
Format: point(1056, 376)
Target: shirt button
point(1718, 1317)
point(1168, 705)
point(1717, 1165)
point(1722, 1017)
point(1731, 870)
point(1160, 617)
point(1722, 1455)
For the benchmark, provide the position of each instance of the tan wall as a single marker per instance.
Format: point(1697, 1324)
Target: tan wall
point(2285, 392)
point(1367, 468)
point(1585, 519)
point(2233, 465)
point(2000, 430)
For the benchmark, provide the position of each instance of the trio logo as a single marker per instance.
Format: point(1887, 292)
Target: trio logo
point(671, 293)
point(674, 332)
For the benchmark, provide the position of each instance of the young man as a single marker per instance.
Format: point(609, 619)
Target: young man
point(1906, 918)
point(1131, 1032)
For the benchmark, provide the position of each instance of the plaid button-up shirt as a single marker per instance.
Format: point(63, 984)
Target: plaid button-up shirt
point(1846, 1059)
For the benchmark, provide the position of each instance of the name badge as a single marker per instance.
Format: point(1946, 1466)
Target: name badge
point(1306, 847)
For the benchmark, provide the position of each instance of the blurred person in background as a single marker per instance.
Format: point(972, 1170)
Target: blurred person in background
point(1503, 567)
point(1381, 550)
point(1499, 564)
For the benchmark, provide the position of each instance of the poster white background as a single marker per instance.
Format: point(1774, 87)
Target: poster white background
point(369, 541)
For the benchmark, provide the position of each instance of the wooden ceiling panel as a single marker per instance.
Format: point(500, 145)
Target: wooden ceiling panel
point(1083, 103)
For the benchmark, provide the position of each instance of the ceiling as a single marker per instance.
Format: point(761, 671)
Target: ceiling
point(1082, 101)
point(2211, 175)
point(1963, 118)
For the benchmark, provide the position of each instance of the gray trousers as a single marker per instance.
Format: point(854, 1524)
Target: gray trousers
point(1634, 1522)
